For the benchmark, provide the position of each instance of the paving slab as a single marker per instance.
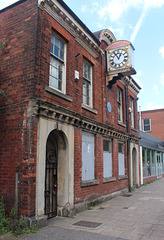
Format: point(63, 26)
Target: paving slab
point(137, 217)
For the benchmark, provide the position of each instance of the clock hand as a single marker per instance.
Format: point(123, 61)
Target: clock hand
point(116, 54)
point(119, 56)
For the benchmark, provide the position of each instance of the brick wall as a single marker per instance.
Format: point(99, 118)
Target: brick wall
point(17, 80)
point(24, 71)
point(157, 117)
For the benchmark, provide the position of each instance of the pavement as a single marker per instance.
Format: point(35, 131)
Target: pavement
point(136, 216)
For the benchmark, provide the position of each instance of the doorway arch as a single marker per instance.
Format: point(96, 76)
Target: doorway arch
point(56, 146)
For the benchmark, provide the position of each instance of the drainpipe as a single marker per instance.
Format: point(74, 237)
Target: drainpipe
point(140, 118)
point(127, 130)
point(16, 194)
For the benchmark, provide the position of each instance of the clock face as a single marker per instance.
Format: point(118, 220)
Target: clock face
point(118, 58)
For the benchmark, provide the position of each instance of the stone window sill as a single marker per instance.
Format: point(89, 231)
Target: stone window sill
point(89, 108)
point(59, 94)
point(89, 183)
point(109, 179)
point(121, 177)
point(121, 124)
point(133, 129)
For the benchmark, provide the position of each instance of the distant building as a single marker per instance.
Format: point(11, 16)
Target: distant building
point(151, 157)
point(152, 122)
point(67, 136)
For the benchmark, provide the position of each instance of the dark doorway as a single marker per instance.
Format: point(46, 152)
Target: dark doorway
point(51, 176)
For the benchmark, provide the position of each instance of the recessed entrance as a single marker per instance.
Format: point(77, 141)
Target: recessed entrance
point(55, 169)
point(51, 176)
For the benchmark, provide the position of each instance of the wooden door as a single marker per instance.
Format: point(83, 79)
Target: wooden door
point(51, 177)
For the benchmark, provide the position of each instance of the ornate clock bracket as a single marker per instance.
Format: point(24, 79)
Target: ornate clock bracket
point(112, 79)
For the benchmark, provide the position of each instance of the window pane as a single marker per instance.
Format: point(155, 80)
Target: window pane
point(57, 42)
point(143, 162)
point(153, 162)
point(86, 92)
point(148, 163)
point(119, 101)
point(57, 64)
point(87, 75)
point(146, 123)
point(120, 147)
point(106, 145)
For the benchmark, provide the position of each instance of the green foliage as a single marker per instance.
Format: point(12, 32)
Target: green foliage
point(4, 227)
point(2, 92)
point(11, 223)
point(3, 44)
point(90, 208)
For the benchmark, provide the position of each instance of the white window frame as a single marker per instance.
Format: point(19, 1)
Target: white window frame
point(146, 124)
point(88, 158)
point(120, 105)
point(132, 111)
point(87, 79)
point(60, 60)
point(107, 158)
point(121, 159)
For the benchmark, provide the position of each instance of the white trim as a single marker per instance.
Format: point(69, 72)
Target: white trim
point(63, 64)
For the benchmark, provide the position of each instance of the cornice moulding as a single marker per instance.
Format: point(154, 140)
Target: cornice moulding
point(54, 112)
point(56, 11)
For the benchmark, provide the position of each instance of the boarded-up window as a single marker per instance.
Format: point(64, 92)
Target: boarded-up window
point(121, 161)
point(87, 157)
point(107, 158)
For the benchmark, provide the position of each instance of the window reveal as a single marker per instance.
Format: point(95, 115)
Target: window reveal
point(87, 83)
point(57, 63)
point(119, 101)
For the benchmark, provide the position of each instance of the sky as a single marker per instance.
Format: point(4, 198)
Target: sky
point(138, 21)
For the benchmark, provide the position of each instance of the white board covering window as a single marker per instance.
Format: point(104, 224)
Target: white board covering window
point(121, 160)
point(87, 157)
point(107, 158)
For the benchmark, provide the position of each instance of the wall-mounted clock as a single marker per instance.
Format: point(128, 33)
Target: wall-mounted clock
point(118, 58)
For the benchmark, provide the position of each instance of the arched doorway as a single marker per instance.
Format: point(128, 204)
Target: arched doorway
point(134, 161)
point(55, 150)
point(55, 172)
point(51, 176)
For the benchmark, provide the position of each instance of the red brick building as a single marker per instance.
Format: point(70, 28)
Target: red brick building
point(152, 122)
point(67, 138)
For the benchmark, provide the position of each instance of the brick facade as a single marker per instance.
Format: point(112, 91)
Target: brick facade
point(25, 61)
point(156, 121)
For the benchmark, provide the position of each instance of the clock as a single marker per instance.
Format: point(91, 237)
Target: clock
point(118, 58)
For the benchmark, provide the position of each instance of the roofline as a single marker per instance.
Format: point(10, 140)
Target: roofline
point(159, 109)
point(65, 6)
point(12, 5)
point(136, 83)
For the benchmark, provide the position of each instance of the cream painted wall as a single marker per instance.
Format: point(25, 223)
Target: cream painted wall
point(65, 164)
